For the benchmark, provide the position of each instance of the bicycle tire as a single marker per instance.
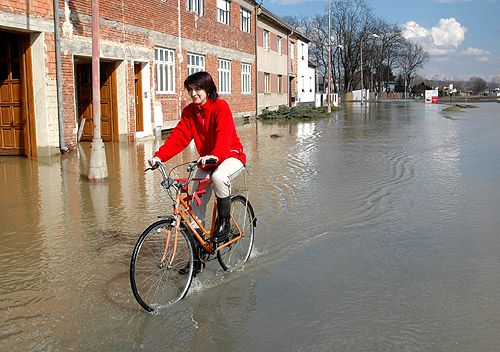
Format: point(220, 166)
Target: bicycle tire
point(156, 285)
point(234, 255)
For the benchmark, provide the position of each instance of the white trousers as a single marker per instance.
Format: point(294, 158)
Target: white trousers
point(221, 178)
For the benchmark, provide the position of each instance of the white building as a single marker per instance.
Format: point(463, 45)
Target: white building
point(306, 84)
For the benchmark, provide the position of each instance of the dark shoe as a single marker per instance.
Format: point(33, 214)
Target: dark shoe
point(223, 223)
point(222, 230)
point(197, 268)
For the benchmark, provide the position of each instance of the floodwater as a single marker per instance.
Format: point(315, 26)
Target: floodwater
point(378, 230)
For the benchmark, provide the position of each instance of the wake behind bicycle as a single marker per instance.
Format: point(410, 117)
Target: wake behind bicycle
point(174, 249)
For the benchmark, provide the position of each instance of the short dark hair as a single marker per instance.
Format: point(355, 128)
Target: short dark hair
point(204, 81)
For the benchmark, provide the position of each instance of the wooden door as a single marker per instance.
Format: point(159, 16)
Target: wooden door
point(84, 95)
point(139, 124)
point(13, 112)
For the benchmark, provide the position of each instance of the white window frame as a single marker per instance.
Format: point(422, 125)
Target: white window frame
point(224, 11)
point(224, 70)
point(265, 40)
point(165, 70)
point(267, 82)
point(245, 19)
point(246, 78)
point(195, 6)
point(292, 51)
point(280, 51)
point(195, 63)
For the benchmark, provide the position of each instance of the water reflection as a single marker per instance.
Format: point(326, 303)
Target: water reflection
point(376, 228)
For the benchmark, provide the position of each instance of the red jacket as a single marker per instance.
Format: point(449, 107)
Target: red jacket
point(211, 125)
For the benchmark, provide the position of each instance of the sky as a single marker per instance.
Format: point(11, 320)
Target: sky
point(462, 37)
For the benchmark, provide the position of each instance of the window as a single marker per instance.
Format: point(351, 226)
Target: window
point(223, 11)
point(292, 50)
point(280, 83)
point(265, 38)
point(302, 83)
point(245, 20)
point(246, 79)
point(303, 51)
point(267, 83)
point(164, 70)
point(279, 45)
point(195, 63)
point(224, 76)
point(195, 6)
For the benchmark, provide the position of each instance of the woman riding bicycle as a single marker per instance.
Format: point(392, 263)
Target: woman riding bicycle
point(209, 122)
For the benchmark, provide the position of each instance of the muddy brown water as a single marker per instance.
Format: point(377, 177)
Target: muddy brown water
point(378, 230)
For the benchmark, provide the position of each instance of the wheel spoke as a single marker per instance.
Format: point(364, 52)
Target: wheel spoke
point(156, 286)
point(234, 255)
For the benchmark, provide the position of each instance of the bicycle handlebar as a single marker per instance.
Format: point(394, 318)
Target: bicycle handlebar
point(168, 181)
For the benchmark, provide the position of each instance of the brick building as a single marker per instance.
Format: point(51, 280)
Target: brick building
point(147, 48)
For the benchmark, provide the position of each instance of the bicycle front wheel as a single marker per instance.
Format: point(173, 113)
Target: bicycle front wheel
point(161, 269)
point(234, 255)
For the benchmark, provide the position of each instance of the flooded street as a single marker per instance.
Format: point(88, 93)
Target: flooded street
point(378, 230)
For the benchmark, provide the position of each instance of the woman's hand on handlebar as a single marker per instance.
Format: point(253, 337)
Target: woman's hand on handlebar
point(153, 161)
point(208, 160)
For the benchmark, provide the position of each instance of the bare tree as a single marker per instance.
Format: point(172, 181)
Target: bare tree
point(353, 26)
point(385, 52)
point(412, 57)
point(352, 20)
point(477, 85)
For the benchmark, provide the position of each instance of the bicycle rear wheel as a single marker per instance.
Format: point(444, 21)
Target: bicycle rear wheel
point(157, 284)
point(234, 255)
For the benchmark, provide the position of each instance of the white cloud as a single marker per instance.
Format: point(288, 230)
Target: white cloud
point(483, 59)
point(449, 32)
point(442, 39)
point(475, 52)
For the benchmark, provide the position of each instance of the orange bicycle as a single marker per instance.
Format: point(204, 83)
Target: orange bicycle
point(171, 251)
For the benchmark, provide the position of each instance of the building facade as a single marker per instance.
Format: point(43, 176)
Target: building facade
point(272, 61)
point(147, 49)
point(284, 74)
point(305, 88)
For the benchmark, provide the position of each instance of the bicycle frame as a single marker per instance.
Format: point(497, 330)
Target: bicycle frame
point(182, 211)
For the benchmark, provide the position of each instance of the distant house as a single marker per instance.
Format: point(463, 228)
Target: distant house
point(284, 74)
point(272, 61)
point(306, 72)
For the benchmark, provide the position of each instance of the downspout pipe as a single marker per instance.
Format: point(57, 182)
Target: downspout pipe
point(257, 11)
point(60, 107)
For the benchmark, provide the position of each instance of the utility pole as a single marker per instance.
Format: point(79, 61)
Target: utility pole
point(98, 166)
point(362, 87)
point(329, 60)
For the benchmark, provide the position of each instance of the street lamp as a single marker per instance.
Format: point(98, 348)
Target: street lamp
point(329, 98)
point(374, 35)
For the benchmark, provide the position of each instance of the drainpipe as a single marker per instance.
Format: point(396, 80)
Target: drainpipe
point(60, 107)
point(289, 68)
point(257, 10)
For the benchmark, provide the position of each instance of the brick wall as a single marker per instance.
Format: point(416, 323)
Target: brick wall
point(35, 8)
